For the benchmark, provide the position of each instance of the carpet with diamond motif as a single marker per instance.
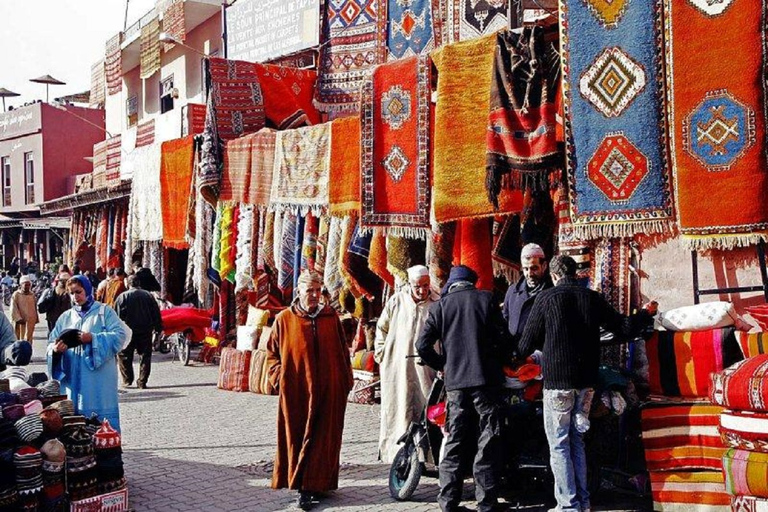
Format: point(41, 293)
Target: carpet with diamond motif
point(395, 148)
point(717, 120)
point(615, 143)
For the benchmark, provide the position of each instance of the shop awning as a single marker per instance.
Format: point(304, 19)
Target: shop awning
point(87, 198)
point(45, 223)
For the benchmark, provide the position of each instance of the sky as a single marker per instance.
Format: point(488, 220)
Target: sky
point(61, 38)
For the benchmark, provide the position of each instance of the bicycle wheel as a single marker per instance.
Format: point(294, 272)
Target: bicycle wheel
point(183, 349)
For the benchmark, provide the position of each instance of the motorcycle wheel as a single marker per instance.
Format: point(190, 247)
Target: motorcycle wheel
point(405, 472)
point(162, 345)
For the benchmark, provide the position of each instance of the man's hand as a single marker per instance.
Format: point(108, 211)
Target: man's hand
point(86, 337)
point(60, 346)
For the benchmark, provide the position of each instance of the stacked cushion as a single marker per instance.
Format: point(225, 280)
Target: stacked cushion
point(748, 504)
point(702, 491)
point(682, 437)
point(742, 386)
point(258, 377)
point(746, 473)
point(752, 344)
point(234, 369)
point(747, 430)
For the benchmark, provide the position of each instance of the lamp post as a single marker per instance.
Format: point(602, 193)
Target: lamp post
point(165, 37)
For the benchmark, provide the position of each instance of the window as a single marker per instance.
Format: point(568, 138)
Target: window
point(166, 95)
point(132, 110)
point(29, 178)
point(5, 163)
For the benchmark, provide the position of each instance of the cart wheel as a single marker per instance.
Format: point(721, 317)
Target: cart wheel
point(183, 349)
point(162, 344)
point(405, 472)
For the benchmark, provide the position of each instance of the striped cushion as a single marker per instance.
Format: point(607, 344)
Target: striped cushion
point(682, 437)
point(233, 369)
point(699, 491)
point(679, 363)
point(748, 504)
point(746, 473)
point(742, 386)
point(745, 429)
point(752, 344)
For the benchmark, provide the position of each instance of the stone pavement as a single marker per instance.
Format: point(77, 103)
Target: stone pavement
point(188, 446)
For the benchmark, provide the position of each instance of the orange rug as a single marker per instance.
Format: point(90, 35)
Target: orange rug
point(716, 54)
point(344, 174)
point(463, 93)
point(472, 247)
point(176, 166)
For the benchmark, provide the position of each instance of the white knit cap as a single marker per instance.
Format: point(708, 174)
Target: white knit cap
point(532, 251)
point(417, 272)
point(25, 279)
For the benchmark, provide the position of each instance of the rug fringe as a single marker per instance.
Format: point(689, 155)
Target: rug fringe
point(627, 230)
point(300, 210)
point(397, 231)
point(722, 241)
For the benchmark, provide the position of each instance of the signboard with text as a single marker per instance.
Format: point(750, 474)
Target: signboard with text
point(258, 30)
point(20, 121)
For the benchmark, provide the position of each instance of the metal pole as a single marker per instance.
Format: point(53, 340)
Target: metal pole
point(224, 28)
point(4, 104)
point(125, 19)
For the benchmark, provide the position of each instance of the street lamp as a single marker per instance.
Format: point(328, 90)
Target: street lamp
point(61, 107)
point(165, 37)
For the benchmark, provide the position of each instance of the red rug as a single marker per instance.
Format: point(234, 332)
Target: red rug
point(237, 98)
point(145, 133)
point(717, 120)
point(288, 95)
point(395, 148)
point(472, 247)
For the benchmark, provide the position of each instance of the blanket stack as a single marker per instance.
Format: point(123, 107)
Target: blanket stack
point(683, 447)
point(743, 390)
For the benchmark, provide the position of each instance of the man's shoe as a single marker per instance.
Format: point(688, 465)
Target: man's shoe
point(126, 384)
point(141, 386)
point(305, 500)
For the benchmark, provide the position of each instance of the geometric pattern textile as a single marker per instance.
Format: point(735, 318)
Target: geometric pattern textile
point(616, 149)
point(747, 430)
point(748, 504)
point(395, 148)
point(113, 64)
point(238, 102)
point(682, 437)
point(469, 19)
point(717, 125)
point(684, 491)
point(410, 29)
point(743, 385)
point(355, 33)
point(150, 49)
point(114, 154)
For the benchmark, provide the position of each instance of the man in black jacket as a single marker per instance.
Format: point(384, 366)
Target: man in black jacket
point(469, 326)
point(519, 298)
point(565, 324)
point(139, 309)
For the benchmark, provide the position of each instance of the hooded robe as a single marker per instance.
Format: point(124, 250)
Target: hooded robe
point(309, 365)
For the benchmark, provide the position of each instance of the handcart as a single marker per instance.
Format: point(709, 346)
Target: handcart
point(184, 328)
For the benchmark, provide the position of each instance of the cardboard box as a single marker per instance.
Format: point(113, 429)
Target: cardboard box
point(116, 501)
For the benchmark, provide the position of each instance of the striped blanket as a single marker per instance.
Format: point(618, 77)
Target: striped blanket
point(699, 491)
point(752, 344)
point(743, 385)
point(746, 473)
point(682, 437)
point(745, 429)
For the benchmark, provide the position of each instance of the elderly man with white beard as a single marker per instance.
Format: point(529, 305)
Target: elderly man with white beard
point(404, 383)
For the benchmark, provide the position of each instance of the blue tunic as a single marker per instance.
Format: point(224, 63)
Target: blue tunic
point(88, 373)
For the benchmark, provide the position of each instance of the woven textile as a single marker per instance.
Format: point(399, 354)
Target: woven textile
point(746, 473)
point(113, 157)
point(760, 314)
point(286, 251)
point(176, 168)
point(244, 264)
point(403, 253)
point(377, 258)
point(472, 247)
point(743, 385)
point(288, 95)
point(439, 253)
point(615, 143)
point(174, 23)
point(344, 173)
point(234, 369)
point(506, 248)
point(567, 242)
point(302, 161)
point(746, 430)
point(98, 84)
point(463, 89)
point(521, 140)
point(611, 272)
point(331, 275)
point(717, 120)
point(748, 504)
point(468, 19)
point(752, 344)
point(410, 29)
point(237, 98)
point(100, 160)
point(356, 264)
point(227, 237)
point(682, 437)
point(395, 148)
point(355, 40)
point(262, 169)
point(236, 170)
point(696, 491)
point(680, 362)
point(145, 133)
point(113, 68)
point(149, 49)
point(146, 212)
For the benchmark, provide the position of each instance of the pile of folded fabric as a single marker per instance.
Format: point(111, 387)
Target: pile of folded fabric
point(683, 449)
point(743, 390)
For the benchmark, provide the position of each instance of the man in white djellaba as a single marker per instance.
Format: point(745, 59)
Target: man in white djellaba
point(404, 383)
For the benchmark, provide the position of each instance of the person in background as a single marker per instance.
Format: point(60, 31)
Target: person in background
point(102, 288)
point(115, 287)
point(13, 269)
point(92, 277)
point(519, 298)
point(24, 310)
point(565, 324)
point(88, 371)
point(147, 278)
point(12, 352)
point(309, 365)
point(56, 301)
point(139, 309)
point(405, 384)
point(468, 324)
point(6, 282)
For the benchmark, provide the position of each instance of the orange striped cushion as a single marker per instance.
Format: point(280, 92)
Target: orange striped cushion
point(699, 491)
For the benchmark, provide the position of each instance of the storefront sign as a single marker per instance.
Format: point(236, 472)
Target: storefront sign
point(20, 121)
point(258, 30)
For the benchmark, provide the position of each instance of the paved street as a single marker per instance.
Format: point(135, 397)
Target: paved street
point(190, 446)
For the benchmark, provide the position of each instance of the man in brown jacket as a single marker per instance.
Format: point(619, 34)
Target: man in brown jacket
point(310, 367)
point(24, 310)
